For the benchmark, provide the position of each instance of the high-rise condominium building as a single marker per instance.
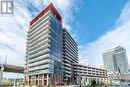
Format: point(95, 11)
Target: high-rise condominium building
point(70, 55)
point(44, 47)
point(115, 60)
point(50, 49)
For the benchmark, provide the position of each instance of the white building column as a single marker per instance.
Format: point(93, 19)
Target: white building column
point(38, 79)
point(47, 79)
point(43, 79)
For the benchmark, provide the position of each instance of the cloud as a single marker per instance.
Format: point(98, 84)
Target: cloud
point(13, 32)
point(120, 36)
point(66, 8)
point(13, 29)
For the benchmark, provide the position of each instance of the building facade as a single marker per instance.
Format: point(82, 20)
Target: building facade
point(88, 73)
point(52, 53)
point(70, 55)
point(115, 60)
point(44, 48)
point(109, 61)
point(50, 50)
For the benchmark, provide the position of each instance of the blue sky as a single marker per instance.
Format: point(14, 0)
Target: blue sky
point(96, 25)
point(96, 17)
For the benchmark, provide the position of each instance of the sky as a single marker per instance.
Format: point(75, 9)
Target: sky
point(96, 25)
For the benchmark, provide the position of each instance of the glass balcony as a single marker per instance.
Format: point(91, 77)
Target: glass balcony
point(70, 38)
point(39, 40)
point(67, 75)
point(39, 53)
point(70, 47)
point(67, 61)
point(41, 18)
point(67, 72)
point(38, 49)
point(39, 58)
point(39, 67)
point(41, 29)
point(39, 23)
point(65, 56)
point(43, 42)
point(39, 35)
point(70, 56)
point(42, 62)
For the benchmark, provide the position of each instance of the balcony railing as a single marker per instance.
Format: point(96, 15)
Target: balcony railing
point(38, 23)
point(39, 67)
point(38, 41)
point(39, 63)
point(39, 53)
point(39, 44)
point(41, 18)
point(39, 35)
point(41, 29)
point(38, 49)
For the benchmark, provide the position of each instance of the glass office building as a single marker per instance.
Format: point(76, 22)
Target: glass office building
point(116, 60)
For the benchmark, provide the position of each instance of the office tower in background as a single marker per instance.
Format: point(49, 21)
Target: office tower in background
point(115, 60)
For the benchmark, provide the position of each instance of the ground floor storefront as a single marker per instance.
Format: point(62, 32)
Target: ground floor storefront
point(44, 79)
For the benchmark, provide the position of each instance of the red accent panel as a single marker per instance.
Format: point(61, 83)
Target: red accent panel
point(36, 79)
point(51, 8)
point(25, 78)
point(43, 79)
